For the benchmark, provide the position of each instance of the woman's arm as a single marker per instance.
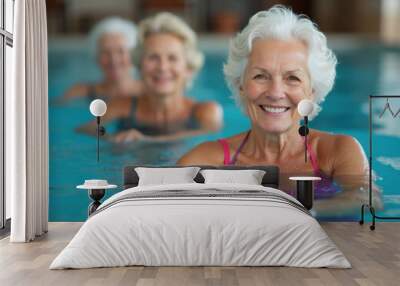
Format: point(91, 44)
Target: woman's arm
point(116, 109)
point(209, 116)
point(349, 157)
point(350, 171)
point(207, 153)
point(133, 135)
point(90, 128)
point(76, 91)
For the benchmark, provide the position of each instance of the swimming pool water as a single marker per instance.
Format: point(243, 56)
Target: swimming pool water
point(365, 70)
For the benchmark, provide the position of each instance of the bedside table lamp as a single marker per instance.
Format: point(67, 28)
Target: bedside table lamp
point(98, 108)
point(96, 190)
point(305, 108)
point(305, 190)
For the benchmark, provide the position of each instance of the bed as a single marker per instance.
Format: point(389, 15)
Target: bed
point(201, 223)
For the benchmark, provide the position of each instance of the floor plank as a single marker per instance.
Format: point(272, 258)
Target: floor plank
point(374, 255)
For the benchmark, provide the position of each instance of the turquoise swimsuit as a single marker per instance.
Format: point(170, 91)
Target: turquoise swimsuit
point(131, 122)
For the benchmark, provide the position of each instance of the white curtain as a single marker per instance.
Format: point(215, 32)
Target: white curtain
point(27, 124)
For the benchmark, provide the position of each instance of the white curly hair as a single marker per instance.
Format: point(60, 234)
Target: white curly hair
point(112, 25)
point(281, 23)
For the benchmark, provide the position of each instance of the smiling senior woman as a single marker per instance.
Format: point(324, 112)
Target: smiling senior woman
point(111, 42)
point(168, 58)
point(278, 60)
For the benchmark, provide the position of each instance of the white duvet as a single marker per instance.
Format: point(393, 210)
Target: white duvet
point(183, 231)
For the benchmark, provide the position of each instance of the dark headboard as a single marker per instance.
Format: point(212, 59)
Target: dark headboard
point(270, 179)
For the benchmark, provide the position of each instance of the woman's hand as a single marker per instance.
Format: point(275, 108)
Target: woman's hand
point(130, 135)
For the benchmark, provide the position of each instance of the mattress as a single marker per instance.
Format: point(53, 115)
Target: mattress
point(201, 225)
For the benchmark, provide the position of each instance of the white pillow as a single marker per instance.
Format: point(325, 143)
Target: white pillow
point(248, 177)
point(163, 176)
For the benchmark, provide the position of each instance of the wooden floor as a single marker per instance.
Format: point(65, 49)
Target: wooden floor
point(374, 255)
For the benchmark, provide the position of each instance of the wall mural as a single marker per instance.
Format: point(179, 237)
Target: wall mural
point(165, 96)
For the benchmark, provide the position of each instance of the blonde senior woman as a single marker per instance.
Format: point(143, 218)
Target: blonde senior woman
point(278, 60)
point(168, 60)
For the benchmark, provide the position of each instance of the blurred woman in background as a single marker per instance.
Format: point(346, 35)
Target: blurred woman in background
point(168, 60)
point(111, 42)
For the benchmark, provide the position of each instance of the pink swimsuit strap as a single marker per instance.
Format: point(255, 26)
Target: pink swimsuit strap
point(313, 157)
point(225, 146)
point(228, 161)
point(227, 155)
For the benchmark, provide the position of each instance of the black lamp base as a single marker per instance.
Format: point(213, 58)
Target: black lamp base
point(96, 195)
point(305, 193)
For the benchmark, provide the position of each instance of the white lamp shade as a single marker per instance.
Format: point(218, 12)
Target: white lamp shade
point(98, 107)
point(305, 107)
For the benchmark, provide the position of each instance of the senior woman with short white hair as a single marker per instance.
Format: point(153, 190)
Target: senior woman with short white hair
point(279, 59)
point(111, 42)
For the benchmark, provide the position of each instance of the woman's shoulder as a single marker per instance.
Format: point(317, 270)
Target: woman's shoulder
point(206, 153)
point(80, 90)
point(207, 106)
point(211, 152)
point(327, 140)
point(209, 114)
point(337, 150)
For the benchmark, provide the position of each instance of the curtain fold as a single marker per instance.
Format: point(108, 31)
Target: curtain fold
point(27, 122)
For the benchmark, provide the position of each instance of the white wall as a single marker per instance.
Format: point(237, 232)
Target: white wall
point(390, 21)
point(97, 7)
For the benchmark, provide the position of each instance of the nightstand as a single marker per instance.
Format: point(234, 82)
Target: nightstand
point(305, 190)
point(96, 190)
